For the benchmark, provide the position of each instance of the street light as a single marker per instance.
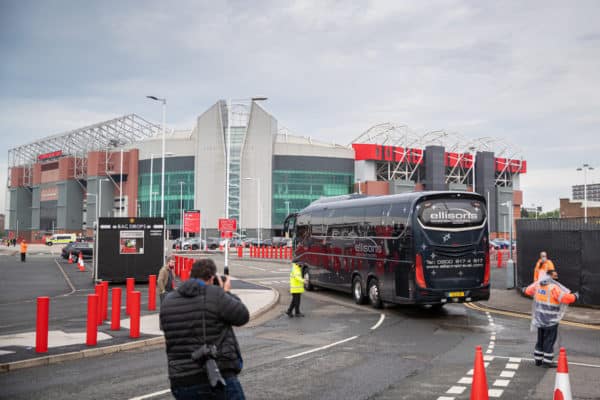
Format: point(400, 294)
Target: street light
point(510, 264)
point(181, 183)
point(257, 205)
point(227, 170)
point(162, 179)
point(98, 211)
point(472, 149)
point(585, 168)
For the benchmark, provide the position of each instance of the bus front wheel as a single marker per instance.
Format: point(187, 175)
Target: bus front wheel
point(375, 294)
point(307, 284)
point(357, 291)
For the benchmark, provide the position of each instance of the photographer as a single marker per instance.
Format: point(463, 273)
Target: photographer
point(197, 321)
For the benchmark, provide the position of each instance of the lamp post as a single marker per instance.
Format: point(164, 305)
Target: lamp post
point(585, 168)
point(181, 183)
point(98, 212)
point(472, 149)
point(510, 264)
point(162, 178)
point(257, 206)
point(228, 168)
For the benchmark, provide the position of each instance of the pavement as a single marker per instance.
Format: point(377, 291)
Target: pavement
point(46, 275)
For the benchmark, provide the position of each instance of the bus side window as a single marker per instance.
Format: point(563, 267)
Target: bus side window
point(353, 220)
point(374, 219)
point(316, 223)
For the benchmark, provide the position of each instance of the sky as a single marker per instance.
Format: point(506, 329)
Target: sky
point(525, 72)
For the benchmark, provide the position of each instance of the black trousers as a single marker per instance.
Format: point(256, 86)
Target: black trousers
point(295, 304)
point(544, 347)
point(23, 257)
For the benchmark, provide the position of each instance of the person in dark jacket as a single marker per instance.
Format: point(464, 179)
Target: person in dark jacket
point(181, 319)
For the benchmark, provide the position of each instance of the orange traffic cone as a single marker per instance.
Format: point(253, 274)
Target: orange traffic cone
point(80, 262)
point(70, 258)
point(562, 386)
point(479, 388)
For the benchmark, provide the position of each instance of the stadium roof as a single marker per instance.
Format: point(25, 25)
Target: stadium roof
point(101, 136)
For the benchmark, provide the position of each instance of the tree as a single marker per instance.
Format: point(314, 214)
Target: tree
point(551, 214)
point(524, 213)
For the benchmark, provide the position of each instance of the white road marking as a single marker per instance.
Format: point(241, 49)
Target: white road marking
point(470, 372)
point(512, 366)
point(445, 398)
point(507, 374)
point(260, 269)
point(488, 358)
point(570, 362)
point(381, 318)
point(501, 382)
point(495, 392)
point(456, 390)
point(465, 381)
point(514, 359)
point(150, 395)
point(320, 348)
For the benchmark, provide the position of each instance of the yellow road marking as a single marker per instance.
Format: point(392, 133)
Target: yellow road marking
point(478, 307)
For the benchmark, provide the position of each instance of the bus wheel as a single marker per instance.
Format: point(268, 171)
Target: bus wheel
point(375, 294)
point(357, 291)
point(307, 285)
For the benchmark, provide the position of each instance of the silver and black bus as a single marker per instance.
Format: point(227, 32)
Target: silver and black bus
point(413, 248)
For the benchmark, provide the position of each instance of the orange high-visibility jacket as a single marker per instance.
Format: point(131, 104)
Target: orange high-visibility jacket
point(23, 247)
point(542, 266)
point(548, 296)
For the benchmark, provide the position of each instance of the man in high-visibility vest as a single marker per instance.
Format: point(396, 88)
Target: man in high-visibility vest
point(550, 299)
point(23, 250)
point(296, 289)
point(542, 266)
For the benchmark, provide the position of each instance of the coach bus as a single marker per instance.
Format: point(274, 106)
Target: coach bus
point(414, 248)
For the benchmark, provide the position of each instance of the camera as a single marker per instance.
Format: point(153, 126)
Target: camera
point(216, 280)
point(207, 355)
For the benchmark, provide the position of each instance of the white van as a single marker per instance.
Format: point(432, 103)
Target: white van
point(60, 238)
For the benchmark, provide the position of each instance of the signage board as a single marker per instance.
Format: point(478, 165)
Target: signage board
point(52, 154)
point(191, 221)
point(129, 248)
point(227, 225)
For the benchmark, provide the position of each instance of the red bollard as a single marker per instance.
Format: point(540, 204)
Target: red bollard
point(115, 321)
point(130, 288)
point(152, 292)
point(281, 253)
point(104, 300)
point(499, 254)
point(134, 317)
point(240, 251)
point(100, 293)
point(92, 320)
point(177, 265)
point(41, 326)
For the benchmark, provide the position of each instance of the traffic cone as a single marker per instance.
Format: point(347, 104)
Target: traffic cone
point(80, 262)
point(562, 386)
point(479, 388)
point(70, 258)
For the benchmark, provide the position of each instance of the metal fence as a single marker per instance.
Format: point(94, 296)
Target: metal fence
point(572, 244)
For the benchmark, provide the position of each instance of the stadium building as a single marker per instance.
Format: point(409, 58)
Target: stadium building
point(114, 168)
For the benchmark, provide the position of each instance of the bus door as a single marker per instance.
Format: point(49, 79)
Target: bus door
point(289, 229)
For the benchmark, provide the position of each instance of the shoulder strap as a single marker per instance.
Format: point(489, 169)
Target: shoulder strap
point(221, 337)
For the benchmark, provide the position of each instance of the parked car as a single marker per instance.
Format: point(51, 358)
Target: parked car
point(499, 244)
point(194, 243)
point(176, 243)
point(213, 243)
point(263, 242)
point(280, 241)
point(61, 238)
point(86, 249)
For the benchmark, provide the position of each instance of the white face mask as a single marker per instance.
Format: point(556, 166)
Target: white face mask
point(544, 259)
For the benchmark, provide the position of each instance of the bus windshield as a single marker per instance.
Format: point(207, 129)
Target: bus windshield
point(451, 213)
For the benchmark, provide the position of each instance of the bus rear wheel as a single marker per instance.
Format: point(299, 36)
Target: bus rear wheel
point(307, 284)
point(375, 294)
point(357, 291)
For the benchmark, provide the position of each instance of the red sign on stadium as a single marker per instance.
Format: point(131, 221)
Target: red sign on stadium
point(47, 156)
point(191, 221)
